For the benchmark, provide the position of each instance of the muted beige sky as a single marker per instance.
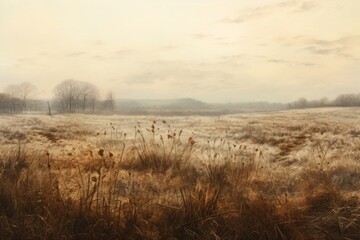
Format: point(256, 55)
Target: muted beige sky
point(212, 50)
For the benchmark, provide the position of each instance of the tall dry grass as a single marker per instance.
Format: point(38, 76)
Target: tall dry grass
point(152, 187)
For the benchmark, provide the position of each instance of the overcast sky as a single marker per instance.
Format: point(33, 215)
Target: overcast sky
point(211, 50)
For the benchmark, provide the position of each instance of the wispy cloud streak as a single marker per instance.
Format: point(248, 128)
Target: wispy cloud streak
point(291, 6)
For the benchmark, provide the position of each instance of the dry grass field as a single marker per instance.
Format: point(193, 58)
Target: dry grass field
point(281, 175)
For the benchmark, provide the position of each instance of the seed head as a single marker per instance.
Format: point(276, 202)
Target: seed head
point(101, 152)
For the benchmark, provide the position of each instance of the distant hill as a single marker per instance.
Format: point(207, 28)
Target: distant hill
point(188, 106)
point(184, 103)
point(168, 107)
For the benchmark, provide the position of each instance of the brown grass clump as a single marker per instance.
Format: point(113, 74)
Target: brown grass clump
point(163, 184)
point(33, 205)
point(159, 152)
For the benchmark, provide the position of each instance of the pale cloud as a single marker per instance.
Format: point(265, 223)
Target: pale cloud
point(338, 51)
point(75, 54)
point(290, 63)
point(344, 47)
point(24, 60)
point(305, 6)
point(99, 42)
point(168, 47)
point(289, 6)
point(245, 57)
point(274, 50)
point(145, 78)
point(200, 36)
point(124, 52)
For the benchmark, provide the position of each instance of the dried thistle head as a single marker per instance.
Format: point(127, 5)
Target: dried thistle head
point(153, 128)
point(191, 141)
point(101, 152)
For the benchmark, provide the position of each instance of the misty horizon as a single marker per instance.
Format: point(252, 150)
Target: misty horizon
point(42, 94)
point(102, 95)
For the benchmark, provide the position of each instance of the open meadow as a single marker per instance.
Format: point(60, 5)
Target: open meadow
point(276, 175)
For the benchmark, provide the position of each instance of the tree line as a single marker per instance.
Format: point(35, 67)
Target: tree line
point(17, 98)
point(70, 96)
point(343, 100)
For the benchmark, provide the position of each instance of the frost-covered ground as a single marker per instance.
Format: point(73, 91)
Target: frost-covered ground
point(294, 174)
point(286, 138)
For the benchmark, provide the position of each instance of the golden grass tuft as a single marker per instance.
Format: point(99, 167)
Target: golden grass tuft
point(161, 183)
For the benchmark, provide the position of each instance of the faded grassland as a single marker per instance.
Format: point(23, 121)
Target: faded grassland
point(284, 175)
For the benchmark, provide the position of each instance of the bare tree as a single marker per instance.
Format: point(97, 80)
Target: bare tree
point(324, 102)
point(8, 103)
point(300, 103)
point(73, 96)
point(89, 94)
point(347, 100)
point(67, 94)
point(23, 92)
point(49, 108)
point(26, 92)
point(12, 92)
point(93, 97)
point(109, 102)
